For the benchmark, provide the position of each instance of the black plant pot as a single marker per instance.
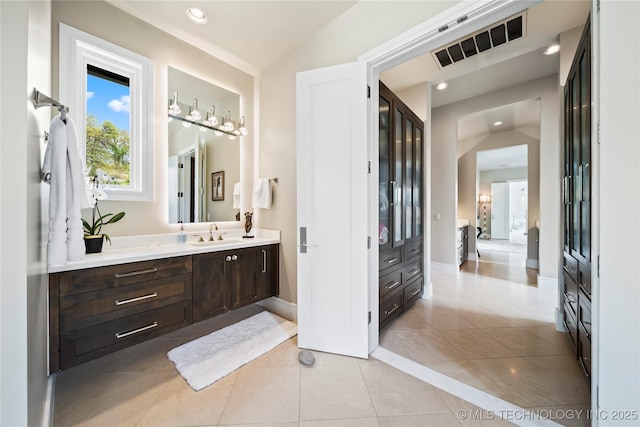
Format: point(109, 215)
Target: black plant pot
point(93, 243)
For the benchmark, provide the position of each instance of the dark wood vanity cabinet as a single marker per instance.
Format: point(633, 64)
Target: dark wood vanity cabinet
point(400, 213)
point(96, 311)
point(576, 201)
point(100, 310)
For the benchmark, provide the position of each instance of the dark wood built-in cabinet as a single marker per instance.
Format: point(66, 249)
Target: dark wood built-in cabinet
point(576, 200)
point(462, 240)
point(400, 232)
point(96, 311)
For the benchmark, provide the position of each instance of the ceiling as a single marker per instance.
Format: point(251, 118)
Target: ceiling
point(502, 158)
point(252, 35)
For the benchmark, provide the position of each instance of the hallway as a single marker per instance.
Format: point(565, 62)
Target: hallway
point(491, 327)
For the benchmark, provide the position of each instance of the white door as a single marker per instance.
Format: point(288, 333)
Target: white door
point(332, 209)
point(499, 210)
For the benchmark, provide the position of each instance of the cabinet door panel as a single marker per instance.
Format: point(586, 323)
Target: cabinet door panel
point(384, 174)
point(243, 279)
point(398, 162)
point(269, 271)
point(408, 179)
point(210, 296)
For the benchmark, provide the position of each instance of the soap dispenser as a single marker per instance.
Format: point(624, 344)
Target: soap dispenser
point(182, 238)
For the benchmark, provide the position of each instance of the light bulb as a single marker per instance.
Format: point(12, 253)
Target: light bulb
point(217, 132)
point(174, 108)
point(243, 128)
point(228, 124)
point(195, 114)
point(232, 137)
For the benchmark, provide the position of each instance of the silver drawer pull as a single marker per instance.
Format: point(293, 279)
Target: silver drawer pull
point(234, 257)
point(414, 272)
point(415, 292)
point(264, 261)
point(391, 261)
point(389, 312)
point(415, 251)
point(130, 300)
point(135, 331)
point(392, 285)
point(227, 258)
point(135, 273)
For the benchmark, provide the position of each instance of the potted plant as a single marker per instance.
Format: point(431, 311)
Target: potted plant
point(93, 236)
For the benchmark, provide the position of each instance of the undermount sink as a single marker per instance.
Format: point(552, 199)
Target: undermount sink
point(214, 242)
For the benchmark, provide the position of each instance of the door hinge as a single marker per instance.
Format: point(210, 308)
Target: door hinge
point(180, 194)
point(368, 91)
point(180, 165)
point(598, 135)
point(368, 242)
point(598, 266)
point(598, 6)
point(368, 167)
point(369, 317)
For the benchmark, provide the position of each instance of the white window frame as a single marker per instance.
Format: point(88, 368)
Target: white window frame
point(78, 49)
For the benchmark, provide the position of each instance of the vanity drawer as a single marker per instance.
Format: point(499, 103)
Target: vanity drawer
point(570, 324)
point(584, 279)
point(390, 305)
point(391, 258)
point(585, 314)
point(413, 291)
point(390, 281)
point(413, 269)
point(585, 351)
point(571, 293)
point(414, 249)
point(93, 279)
point(89, 343)
point(570, 266)
point(90, 308)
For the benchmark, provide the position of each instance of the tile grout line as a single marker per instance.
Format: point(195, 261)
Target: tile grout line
point(364, 380)
point(459, 389)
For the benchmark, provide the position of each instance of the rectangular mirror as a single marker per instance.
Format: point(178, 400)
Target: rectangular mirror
point(200, 153)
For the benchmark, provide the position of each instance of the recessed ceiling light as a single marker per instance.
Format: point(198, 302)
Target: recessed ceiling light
point(554, 48)
point(196, 15)
point(442, 86)
point(498, 123)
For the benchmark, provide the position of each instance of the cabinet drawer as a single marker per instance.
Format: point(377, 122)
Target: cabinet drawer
point(570, 324)
point(90, 308)
point(412, 269)
point(585, 314)
point(390, 281)
point(585, 351)
point(391, 305)
point(571, 293)
point(89, 343)
point(413, 291)
point(584, 279)
point(391, 258)
point(570, 266)
point(413, 249)
point(93, 279)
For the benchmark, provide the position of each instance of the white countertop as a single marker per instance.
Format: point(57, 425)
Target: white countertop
point(156, 246)
point(462, 222)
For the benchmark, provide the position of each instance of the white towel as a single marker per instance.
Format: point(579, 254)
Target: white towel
point(236, 195)
point(62, 168)
point(261, 194)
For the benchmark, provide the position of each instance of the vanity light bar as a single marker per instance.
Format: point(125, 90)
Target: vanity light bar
point(233, 132)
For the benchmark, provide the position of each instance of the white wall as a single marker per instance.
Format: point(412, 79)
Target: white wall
point(25, 53)
point(444, 190)
point(111, 24)
point(361, 28)
point(618, 294)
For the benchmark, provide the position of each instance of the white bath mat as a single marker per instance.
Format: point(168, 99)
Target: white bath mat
point(207, 359)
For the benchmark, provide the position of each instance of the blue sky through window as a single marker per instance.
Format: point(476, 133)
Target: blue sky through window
point(107, 100)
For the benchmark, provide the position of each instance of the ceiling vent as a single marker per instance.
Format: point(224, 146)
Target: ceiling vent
point(498, 34)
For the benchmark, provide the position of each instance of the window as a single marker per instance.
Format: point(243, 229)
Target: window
point(109, 92)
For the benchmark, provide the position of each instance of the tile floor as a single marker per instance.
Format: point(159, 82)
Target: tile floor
point(493, 332)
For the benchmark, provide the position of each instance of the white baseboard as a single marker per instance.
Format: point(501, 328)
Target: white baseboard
point(547, 283)
point(532, 263)
point(49, 399)
point(443, 268)
point(282, 308)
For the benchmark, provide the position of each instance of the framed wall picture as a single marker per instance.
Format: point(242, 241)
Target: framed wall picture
point(217, 186)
